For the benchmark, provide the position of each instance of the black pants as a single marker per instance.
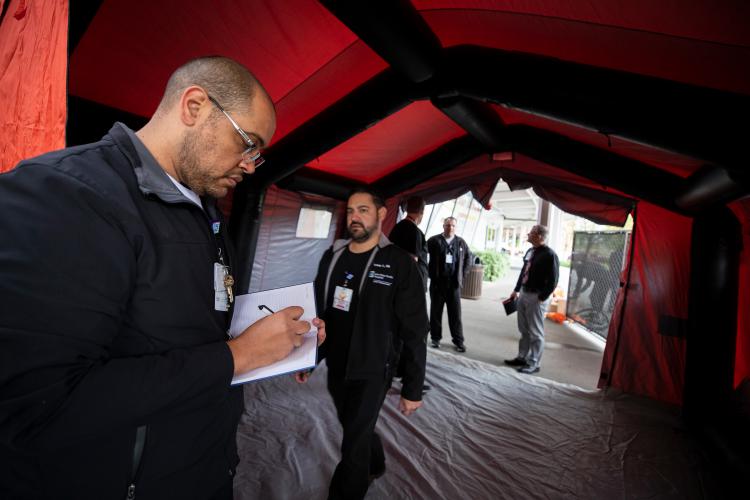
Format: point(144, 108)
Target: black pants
point(444, 293)
point(358, 404)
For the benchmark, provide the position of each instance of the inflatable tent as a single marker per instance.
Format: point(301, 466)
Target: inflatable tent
point(605, 109)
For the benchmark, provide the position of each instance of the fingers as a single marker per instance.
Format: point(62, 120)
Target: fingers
point(301, 327)
point(293, 312)
point(321, 325)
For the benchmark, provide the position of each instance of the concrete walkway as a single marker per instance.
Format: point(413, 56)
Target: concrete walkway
point(570, 356)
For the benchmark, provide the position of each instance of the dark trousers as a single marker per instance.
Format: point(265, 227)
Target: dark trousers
point(358, 404)
point(445, 294)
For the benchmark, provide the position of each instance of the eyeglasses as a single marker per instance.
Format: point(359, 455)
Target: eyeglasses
point(251, 155)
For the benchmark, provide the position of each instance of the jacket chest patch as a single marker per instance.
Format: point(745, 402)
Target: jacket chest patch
point(380, 278)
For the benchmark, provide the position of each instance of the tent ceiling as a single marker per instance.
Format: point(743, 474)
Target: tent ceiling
point(610, 77)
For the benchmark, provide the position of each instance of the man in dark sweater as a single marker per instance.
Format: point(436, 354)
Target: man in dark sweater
point(536, 282)
point(372, 298)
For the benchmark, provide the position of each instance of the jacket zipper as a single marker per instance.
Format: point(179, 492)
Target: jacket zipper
point(140, 444)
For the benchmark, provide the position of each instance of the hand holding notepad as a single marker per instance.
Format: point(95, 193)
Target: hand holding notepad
point(255, 307)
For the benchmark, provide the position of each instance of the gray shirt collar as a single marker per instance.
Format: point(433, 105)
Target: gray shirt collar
point(150, 175)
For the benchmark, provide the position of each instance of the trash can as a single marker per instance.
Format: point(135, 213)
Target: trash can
point(472, 288)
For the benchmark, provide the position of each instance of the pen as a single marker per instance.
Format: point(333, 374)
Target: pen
point(263, 306)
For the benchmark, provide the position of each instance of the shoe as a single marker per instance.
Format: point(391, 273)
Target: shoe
point(515, 362)
point(435, 344)
point(460, 348)
point(528, 369)
point(425, 388)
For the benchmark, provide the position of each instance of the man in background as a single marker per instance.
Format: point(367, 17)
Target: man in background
point(407, 235)
point(536, 282)
point(450, 260)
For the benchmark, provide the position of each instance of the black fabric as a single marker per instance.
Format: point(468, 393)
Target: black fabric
point(443, 293)
point(408, 236)
point(348, 273)
point(392, 313)
point(438, 248)
point(357, 404)
point(107, 323)
point(543, 272)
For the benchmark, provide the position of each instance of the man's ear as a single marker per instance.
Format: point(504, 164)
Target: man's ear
point(192, 101)
point(381, 213)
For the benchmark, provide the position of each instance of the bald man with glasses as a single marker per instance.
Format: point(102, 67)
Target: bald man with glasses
point(117, 293)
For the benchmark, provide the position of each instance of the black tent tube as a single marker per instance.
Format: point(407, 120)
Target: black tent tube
point(442, 159)
point(395, 31)
point(716, 243)
point(695, 121)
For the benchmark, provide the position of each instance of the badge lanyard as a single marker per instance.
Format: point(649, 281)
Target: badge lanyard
point(223, 280)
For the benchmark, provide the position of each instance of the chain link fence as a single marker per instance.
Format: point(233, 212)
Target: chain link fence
point(595, 267)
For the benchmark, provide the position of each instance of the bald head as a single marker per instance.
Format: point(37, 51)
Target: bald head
point(227, 81)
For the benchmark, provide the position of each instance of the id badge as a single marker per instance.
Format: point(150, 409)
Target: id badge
point(449, 258)
point(342, 298)
point(221, 298)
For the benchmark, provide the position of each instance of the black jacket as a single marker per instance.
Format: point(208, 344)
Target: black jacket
point(107, 324)
point(543, 273)
point(408, 236)
point(436, 247)
point(388, 316)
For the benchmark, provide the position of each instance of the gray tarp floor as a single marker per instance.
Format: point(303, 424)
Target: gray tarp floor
point(484, 432)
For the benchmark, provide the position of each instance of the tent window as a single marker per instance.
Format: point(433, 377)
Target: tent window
point(313, 223)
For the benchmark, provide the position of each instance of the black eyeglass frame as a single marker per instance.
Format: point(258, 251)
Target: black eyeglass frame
point(251, 155)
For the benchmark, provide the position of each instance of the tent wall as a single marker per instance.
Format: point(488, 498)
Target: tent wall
point(282, 259)
point(33, 69)
point(645, 352)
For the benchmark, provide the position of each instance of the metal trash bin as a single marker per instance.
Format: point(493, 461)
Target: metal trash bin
point(472, 288)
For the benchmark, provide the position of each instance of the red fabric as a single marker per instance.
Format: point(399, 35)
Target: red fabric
point(296, 48)
point(390, 144)
point(596, 205)
point(741, 209)
point(33, 63)
point(479, 176)
point(638, 359)
point(693, 42)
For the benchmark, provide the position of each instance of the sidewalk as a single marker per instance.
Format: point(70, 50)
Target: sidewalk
point(569, 356)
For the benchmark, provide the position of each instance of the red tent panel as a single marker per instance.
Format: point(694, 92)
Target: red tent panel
point(33, 63)
point(721, 23)
point(283, 43)
point(390, 144)
point(690, 44)
point(478, 176)
point(639, 358)
point(349, 69)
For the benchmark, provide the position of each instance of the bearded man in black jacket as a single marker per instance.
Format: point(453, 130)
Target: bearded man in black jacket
point(373, 302)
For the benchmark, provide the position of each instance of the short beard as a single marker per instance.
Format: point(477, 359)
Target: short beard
point(189, 164)
point(364, 235)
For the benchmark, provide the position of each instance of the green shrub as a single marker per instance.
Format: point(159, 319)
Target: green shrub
point(496, 264)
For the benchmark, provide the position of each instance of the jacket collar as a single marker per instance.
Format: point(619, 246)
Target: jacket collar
point(151, 177)
point(383, 242)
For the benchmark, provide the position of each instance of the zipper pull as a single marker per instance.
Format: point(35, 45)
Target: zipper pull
point(131, 492)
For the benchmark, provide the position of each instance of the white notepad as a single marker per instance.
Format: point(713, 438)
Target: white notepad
point(246, 312)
